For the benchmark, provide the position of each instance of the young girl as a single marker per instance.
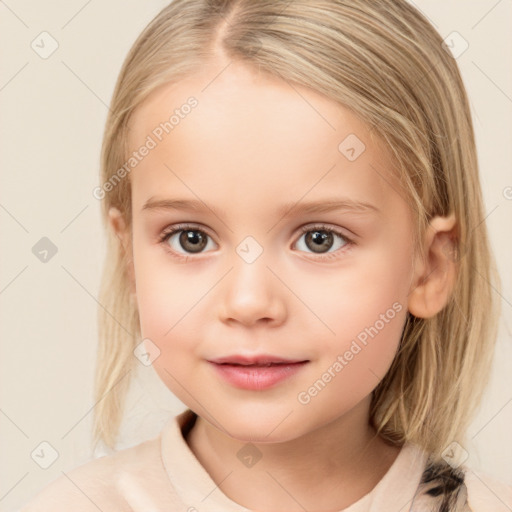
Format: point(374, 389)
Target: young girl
point(298, 247)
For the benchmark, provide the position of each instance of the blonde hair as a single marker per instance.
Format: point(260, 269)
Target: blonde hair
point(386, 63)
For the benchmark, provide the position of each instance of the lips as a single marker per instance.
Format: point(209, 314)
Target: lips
point(256, 373)
point(258, 360)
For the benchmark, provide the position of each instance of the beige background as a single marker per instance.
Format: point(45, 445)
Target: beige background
point(53, 113)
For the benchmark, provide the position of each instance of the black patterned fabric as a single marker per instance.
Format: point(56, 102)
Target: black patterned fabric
point(441, 489)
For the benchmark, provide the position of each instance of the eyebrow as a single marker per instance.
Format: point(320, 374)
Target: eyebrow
point(322, 206)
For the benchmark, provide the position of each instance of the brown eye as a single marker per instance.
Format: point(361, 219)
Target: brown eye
point(321, 240)
point(186, 240)
point(193, 240)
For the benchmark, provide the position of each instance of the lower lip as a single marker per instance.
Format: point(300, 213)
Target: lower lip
point(257, 377)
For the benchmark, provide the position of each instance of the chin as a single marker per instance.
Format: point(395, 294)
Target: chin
point(264, 423)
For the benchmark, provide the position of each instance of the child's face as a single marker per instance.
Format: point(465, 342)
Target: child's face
point(251, 146)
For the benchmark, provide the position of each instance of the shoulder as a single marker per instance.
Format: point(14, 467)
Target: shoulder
point(487, 493)
point(99, 484)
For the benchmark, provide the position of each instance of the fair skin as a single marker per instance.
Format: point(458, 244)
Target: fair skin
point(251, 145)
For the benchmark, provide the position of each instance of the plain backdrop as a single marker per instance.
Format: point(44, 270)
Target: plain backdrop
point(53, 114)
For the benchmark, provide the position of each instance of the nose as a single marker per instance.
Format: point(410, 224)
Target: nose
point(252, 295)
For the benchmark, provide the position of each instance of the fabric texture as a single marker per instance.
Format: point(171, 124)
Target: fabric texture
point(163, 475)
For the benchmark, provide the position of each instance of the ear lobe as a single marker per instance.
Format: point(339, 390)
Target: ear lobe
point(436, 269)
point(123, 233)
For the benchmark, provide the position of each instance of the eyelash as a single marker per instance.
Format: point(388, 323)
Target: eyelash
point(168, 232)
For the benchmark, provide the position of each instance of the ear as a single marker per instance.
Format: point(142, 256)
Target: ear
point(123, 233)
point(435, 269)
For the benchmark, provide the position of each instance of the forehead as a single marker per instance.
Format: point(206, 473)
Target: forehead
point(252, 136)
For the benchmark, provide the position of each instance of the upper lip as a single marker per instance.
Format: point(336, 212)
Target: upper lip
point(256, 359)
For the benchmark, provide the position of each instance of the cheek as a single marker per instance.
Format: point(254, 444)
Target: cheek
point(351, 363)
point(164, 294)
point(172, 299)
point(365, 310)
point(371, 291)
point(166, 299)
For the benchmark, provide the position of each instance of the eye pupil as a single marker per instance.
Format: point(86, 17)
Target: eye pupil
point(192, 240)
point(319, 239)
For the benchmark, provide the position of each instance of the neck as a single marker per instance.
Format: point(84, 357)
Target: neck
point(342, 461)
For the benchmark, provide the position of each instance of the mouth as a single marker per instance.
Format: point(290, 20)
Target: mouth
point(256, 373)
point(259, 360)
